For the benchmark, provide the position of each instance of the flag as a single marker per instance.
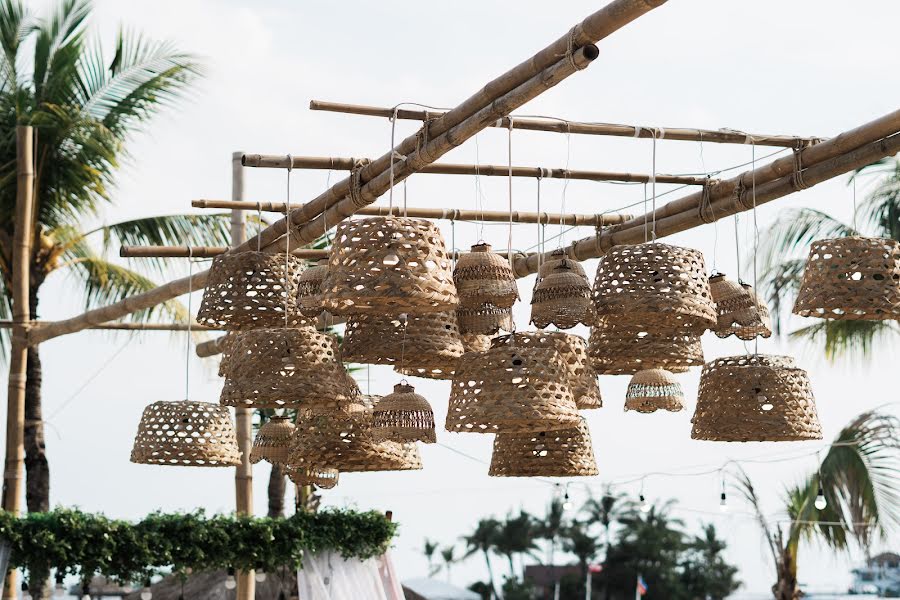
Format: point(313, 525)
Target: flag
point(595, 568)
point(641, 587)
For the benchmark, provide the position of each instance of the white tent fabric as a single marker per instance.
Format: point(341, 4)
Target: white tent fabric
point(328, 576)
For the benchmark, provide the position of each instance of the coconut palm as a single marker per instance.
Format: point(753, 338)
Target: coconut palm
point(577, 539)
point(516, 538)
point(603, 511)
point(860, 480)
point(429, 549)
point(482, 540)
point(448, 558)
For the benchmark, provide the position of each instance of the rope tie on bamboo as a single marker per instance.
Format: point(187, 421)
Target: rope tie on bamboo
point(422, 136)
point(259, 225)
point(707, 214)
point(356, 188)
point(571, 48)
point(797, 181)
point(737, 199)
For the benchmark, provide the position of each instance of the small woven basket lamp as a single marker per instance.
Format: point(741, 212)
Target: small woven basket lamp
point(309, 289)
point(740, 311)
point(513, 387)
point(486, 319)
point(851, 278)
point(616, 349)
point(560, 453)
point(404, 416)
point(562, 297)
point(321, 478)
point(483, 277)
point(388, 265)
point(653, 390)
point(249, 290)
point(655, 286)
point(186, 433)
point(273, 441)
point(755, 398)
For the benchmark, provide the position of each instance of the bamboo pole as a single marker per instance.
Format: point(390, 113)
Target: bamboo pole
point(718, 136)
point(6, 324)
point(201, 252)
point(211, 347)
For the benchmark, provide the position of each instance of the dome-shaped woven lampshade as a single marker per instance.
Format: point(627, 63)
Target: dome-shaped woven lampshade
point(404, 416)
point(560, 453)
point(757, 398)
point(556, 258)
point(273, 441)
point(616, 349)
point(655, 286)
point(581, 377)
point(484, 277)
point(562, 298)
point(185, 433)
point(851, 278)
point(248, 290)
point(285, 368)
point(320, 477)
point(388, 265)
point(486, 319)
point(309, 289)
point(514, 386)
point(653, 390)
point(740, 311)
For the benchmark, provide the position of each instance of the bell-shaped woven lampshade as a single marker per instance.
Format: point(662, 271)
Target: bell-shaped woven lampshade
point(851, 278)
point(562, 298)
point(320, 477)
point(513, 387)
point(249, 290)
point(581, 377)
point(616, 349)
point(655, 286)
point(756, 398)
point(560, 453)
point(486, 319)
point(309, 289)
point(653, 390)
point(273, 441)
point(556, 258)
point(484, 277)
point(185, 433)
point(404, 416)
point(388, 265)
point(740, 311)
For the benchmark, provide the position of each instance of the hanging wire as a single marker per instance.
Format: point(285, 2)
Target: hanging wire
point(653, 184)
point(755, 233)
point(404, 198)
point(259, 226)
point(393, 131)
point(190, 317)
point(287, 245)
point(479, 195)
point(737, 247)
point(646, 231)
point(565, 188)
point(855, 229)
point(509, 246)
point(540, 224)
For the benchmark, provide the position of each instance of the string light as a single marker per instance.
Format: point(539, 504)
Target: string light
point(146, 594)
point(26, 595)
point(230, 582)
point(645, 506)
point(60, 588)
point(260, 575)
point(723, 500)
point(821, 502)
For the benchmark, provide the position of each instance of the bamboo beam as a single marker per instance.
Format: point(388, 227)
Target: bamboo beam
point(128, 326)
point(201, 252)
point(210, 347)
point(718, 136)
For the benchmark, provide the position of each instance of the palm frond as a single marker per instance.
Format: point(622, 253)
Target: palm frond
point(779, 285)
point(795, 229)
point(16, 23)
point(57, 50)
point(745, 487)
point(881, 208)
point(846, 339)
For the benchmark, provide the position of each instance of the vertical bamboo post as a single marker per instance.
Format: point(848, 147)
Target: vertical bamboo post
point(13, 473)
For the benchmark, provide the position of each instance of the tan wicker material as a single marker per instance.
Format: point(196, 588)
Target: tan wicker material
point(247, 290)
point(483, 277)
point(851, 278)
point(188, 434)
point(560, 453)
point(562, 298)
point(756, 398)
point(404, 416)
point(653, 390)
point(429, 341)
point(556, 258)
point(616, 349)
point(309, 289)
point(486, 319)
point(321, 478)
point(388, 265)
point(655, 286)
point(475, 342)
point(741, 312)
point(273, 441)
point(513, 387)
point(286, 368)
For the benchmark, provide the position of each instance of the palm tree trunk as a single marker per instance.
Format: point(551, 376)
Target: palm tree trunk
point(276, 491)
point(786, 586)
point(487, 559)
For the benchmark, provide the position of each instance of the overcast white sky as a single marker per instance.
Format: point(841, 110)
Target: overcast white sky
point(806, 67)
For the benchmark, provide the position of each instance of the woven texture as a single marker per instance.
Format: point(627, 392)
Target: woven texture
point(757, 398)
point(560, 453)
point(616, 349)
point(475, 342)
point(388, 265)
point(655, 286)
point(653, 390)
point(556, 258)
point(404, 416)
point(739, 309)
point(486, 319)
point(248, 290)
point(483, 277)
point(515, 386)
point(851, 278)
point(185, 433)
point(309, 289)
point(273, 441)
point(321, 478)
point(562, 297)
point(427, 342)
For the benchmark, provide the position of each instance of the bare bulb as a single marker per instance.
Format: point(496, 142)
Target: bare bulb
point(723, 503)
point(645, 506)
point(146, 594)
point(821, 502)
point(260, 576)
point(230, 582)
point(60, 591)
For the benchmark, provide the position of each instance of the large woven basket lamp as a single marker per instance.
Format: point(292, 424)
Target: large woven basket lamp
point(653, 390)
point(486, 319)
point(581, 377)
point(309, 289)
point(484, 277)
point(404, 416)
point(755, 398)
point(186, 433)
point(273, 441)
point(739, 309)
point(560, 453)
point(851, 278)
point(562, 297)
point(617, 349)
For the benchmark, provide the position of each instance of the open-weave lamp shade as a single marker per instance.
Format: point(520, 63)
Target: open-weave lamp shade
point(653, 390)
point(512, 387)
point(617, 349)
point(655, 286)
point(484, 277)
point(475, 342)
point(188, 434)
point(556, 258)
point(851, 278)
point(562, 298)
point(740, 311)
point(486, 319)
point(758, 398)
point(273, 441)
point(321, 478)
point(580, 375)
point(561, 453)
point(248, 290)
point(309, 289)
point(429, 341)
point(388, 265)
point(404, 416)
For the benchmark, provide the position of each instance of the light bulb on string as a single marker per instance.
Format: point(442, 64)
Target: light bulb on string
point(645, 506)
point(146, 594)
point(230, 582)
point(59, 589)
point(821, 502)
point(723, 500)
point(260, 575)
point(26, 595)
point(567, 504)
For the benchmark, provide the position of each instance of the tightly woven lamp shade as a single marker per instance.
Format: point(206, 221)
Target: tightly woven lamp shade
point(562, 298)
point(429, 341)
point(851, 278)
point(273, 441)
point(741, 312)
point(185, 433)
point(560, 453)
point(758, 398)
point(655, 286)
point(617, 349)
point(556, 258)
point(320, 477)
point(404, 416)
point(486, 319)
point(248, 290)
point(653, 390)
point(388, 265)
point(484, 277)
point(513, 387)
point(309, 289)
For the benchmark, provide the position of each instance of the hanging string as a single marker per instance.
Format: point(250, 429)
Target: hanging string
point(404, 198)
point(453, 251)
point(715, 223)
point(755, 231)
point(287, 246)
point(190, 317)
point(737, 247)
point(259, 226)
point(855, 230)
point(540, 225)
point(324, 220)
point(479, 196)
point(646, 231)
point(653, 184)
point(509, 250)
point(562, 211)
point(393, 131)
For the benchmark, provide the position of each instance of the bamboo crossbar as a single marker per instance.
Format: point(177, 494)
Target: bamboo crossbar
point(210, 347)
point(6, 324)
point(718, 136)
point(201, 252)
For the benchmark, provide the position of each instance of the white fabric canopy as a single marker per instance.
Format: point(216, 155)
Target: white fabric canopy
point(328, 576)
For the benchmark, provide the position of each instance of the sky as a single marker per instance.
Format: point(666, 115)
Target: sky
point(808, 67)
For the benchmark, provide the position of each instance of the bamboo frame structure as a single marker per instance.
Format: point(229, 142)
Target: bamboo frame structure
point(128, 326)
point(210, 347)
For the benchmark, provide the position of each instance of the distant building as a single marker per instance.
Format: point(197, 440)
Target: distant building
point(881, 576)
point(434, 589)
point(544, 577)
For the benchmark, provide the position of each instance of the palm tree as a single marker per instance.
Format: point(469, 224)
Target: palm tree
point(447, 556)
point(516, 537)
point(429, 550)
point(578, 540)
point(482, 540)
point(549, 527)
point(603, 511)
point(860, 480)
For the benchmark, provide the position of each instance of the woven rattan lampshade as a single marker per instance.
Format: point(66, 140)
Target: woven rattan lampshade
point(427, 342)
point(617, 349)
point(562, 298)
point(515, 386)
point(185, 433)
point(556, 258)
point(653, 390)
point(273, 441)
point(655, 286)
point(739, 309)
point(321, 478)
point(388, 265)
point(581, 377)
point(483, 277)
point(561, 453)
point(475, 342)
point(404, 416)
point(248, 290)
point(756, 398)
point(851, 278)
point(309, 289)
point(486, 319)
